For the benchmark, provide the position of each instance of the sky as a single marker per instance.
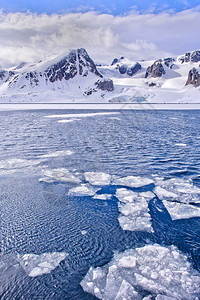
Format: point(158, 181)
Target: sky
point(114, 7)
point(34, 30)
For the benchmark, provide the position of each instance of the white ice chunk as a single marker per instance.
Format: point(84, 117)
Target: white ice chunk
point(181, 210)
point(57, 154)
point(83, 232)
point(127, 262)
point(162, 193)
point(163, 297)
point(13, 165)
point(36, 265)
point(132, 181)
point(125, 195)
point(82, 190)
point(97, 178)
point(102, 196)
point(134, 211)
point(82, 115)
point(58, 175)
point(126, 292)
point(162, 271)
point(181, 144)
point(184, 190)
point(68, 121)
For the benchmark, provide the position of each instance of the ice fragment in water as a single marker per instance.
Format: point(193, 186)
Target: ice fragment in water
point(58, 175)
point(82, 190)
point(134, 211)
point(132, 181)
point(161, 271)
point(36, 265)
point(97, 178)
point(181, 210)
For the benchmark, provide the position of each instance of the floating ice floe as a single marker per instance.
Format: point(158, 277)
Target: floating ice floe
point(132, 181)
point(57, 154)
point(36, 265)
point(82, 115)
point(162, 193)
point(98, 178)
point(181, 210)
point(12, 165)
point(177, 188)
point(58, 175)
point(102, 196)
point(160, 271)
point(181, 144)
point(68, 121)
point(134, 211)
point(82, 190)
point(84, 232)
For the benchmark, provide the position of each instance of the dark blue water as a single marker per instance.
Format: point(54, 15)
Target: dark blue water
point(39, 217)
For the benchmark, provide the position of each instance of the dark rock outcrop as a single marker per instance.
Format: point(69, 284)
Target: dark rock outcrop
point(2, 74)
point(155, 70)
point(116, 60)
point(152, 84)
point(190, 57)
point(194, 77)
point(133, 70)
point(195, 56)
point(124, 69)
point(105, 84)
point(76, 62)
point(185, 58)
point(169, 62)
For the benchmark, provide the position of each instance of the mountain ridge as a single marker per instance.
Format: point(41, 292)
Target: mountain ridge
point(56, 74)
point(74, 77)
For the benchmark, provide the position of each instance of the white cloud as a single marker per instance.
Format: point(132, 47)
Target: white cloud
point(30, 37)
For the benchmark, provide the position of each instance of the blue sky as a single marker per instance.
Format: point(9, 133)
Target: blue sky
point(113, 7)
point(33, 30)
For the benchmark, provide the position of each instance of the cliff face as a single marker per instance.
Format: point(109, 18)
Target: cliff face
point(155, 70)
point(194, 77)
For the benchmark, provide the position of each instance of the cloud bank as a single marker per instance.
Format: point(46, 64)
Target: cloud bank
point(31, 37)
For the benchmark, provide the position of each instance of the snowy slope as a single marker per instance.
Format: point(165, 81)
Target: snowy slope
point(169, 88)
point(75, 78)
point(71, 75)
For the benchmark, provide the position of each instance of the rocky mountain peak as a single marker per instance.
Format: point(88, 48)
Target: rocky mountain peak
point(169, 62)
point(194, 77)
point(76, 62)
point(55, 73)
point(155, 70)
point(190, 57)
point(117, 60)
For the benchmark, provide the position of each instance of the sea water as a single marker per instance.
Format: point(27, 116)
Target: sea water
point(99, 204)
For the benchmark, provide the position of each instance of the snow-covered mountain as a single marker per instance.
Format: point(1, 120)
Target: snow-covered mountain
point(75, 78)
point(166, 80)
point(74, 75)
